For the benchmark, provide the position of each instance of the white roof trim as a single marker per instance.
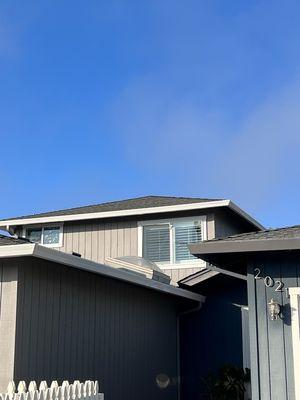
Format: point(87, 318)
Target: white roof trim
point(35, 250)
point(17, 250)
point(123, 213)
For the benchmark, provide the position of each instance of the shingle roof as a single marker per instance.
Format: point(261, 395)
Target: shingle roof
point(7, 240)
point(289, 232)
point(230, 253)
point(129, 204)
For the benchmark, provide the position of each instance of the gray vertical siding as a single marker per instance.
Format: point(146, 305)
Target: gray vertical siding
point(76, 325)
point(180, 273)
point(271, 341)
point(8, 303)
point(98, 240)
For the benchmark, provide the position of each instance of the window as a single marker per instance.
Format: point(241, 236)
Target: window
point(50, 236)
point(156, 242)
point(184, 234)
point(34, 235)
point(166, 241)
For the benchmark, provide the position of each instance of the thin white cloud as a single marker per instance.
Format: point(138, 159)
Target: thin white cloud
point(202, 152)
point(265, 152)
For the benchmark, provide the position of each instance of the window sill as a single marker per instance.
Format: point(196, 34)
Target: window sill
point(56, 245)
point(198, 264)
point(53, 246)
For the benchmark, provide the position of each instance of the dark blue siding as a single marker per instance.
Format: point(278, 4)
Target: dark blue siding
point(76, 325)
point(271, 342)
point(212, 336)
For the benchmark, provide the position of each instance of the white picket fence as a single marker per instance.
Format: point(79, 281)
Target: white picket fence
point(89, 390)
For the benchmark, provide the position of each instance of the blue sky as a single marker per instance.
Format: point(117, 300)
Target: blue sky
point(104, 100)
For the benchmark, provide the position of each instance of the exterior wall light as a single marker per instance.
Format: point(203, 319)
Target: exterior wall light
point(274, 309)
point(163, 381)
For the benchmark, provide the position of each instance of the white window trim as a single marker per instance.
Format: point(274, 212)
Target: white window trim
point(53, 245)
point(189, 263)
point(295, 325)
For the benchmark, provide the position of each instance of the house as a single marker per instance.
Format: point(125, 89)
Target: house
point(157, 228)
point(269, 262)
point(63, 317)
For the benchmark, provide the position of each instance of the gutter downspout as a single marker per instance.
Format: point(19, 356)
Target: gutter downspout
point(179, 315)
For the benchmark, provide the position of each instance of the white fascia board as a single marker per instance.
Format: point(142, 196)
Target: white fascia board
point(124, 213)
point(60, 257)
point(113, 214)
point(17, 250)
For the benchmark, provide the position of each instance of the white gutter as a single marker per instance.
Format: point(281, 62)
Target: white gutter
point(35, 250)
point(124, 213)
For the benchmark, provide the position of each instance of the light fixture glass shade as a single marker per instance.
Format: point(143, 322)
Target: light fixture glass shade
point(274, 309)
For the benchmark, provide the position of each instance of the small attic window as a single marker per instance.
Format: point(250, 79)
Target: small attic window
point(50, 236)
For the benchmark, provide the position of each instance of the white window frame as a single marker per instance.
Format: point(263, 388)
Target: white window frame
point(42, 227)
point(171, 222)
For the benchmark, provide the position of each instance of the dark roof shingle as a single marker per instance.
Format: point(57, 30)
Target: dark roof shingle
point(129, 204)
point(289, 232)
point(8, 240)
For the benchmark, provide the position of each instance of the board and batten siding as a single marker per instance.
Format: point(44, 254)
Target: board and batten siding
point(271, 341)
point(8, 304)
point(73, 324)
point(97, 241)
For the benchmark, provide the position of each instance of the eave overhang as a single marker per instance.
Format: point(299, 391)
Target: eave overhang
point(243, 246)
point(6, 224)
point(38, 251)
point(230, 256)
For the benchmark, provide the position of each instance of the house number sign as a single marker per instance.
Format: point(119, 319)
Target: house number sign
point(269, 281)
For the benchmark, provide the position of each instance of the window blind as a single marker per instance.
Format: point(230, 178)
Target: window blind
point(185, 235)
point(156, 243)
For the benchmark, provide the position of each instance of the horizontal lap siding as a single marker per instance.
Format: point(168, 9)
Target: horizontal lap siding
point(97, 241)
point(274, 341)
point(76, 325)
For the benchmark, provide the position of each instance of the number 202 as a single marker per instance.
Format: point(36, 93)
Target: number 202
point(268, 281)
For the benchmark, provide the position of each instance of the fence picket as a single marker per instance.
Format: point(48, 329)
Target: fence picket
point(22, 387)
point(43, 386)
point(88, 390)
point(32, 386)
point(11, 388)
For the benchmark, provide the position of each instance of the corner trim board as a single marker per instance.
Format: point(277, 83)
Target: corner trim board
point(295, 324)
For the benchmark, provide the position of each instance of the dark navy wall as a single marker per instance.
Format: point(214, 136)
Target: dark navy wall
point(212, 336)
point(271, 341)
point(77, 325)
